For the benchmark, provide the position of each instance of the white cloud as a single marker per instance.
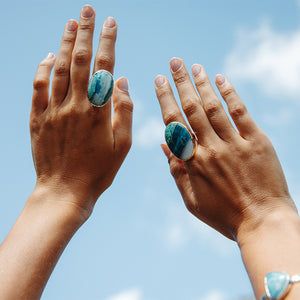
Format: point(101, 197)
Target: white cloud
point(269, 59)
point(131, 294)
point(151, 133)
point(215, 295)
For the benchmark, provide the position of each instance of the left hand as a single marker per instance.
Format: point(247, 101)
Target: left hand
point(77, 148)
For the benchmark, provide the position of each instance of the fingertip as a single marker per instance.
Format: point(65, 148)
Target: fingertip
point(72, 25)
point(220, 79)
point(159, 80)
point(196, 69)
point(166, 150)
point(176, 63)
point(110, 22)
point(122, 84)
point(87, 11)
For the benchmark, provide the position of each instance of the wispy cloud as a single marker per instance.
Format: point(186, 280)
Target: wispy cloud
point(150, 133)
point(284, 116)
point(130, 294)
point(269, 59)
point(183, 228)
point(215, 295)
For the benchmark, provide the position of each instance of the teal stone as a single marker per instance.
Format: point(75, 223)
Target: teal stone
point(179, 141)
point(100, 87)
point(276, 284)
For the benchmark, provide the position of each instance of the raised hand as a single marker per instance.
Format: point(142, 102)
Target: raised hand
point(234, 178)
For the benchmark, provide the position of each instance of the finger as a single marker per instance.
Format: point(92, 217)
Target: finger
point(181, 177)
point(122, 118)
point(82, 53)
point(190, 102)
point(169, 107)
point(41, 83)
point(105, 57)
point(212, 105)
point(237, 109)
point(61, 73)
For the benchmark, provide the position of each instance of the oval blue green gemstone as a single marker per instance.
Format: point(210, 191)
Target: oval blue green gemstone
point(100, 87)
point(179, 141)
point(276, 284)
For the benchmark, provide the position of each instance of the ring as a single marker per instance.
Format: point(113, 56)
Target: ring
point(180, 141)
point(100, 87)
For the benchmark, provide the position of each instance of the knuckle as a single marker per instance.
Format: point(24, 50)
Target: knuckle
point(212, 109)
point(40, 83)
point(228, 92)
point(170, 117)
point(190, 107)
point(68, 40)
point(238, 110)
point(125, 105)
point(213, 155)
point(163, 91)
point(108, 36)
point(180, 78)
point(82, 56)
point(86, 26)
point(61, 69)
point(105, 62)
point(176, 169)
point(201, 83)
point(34, 125)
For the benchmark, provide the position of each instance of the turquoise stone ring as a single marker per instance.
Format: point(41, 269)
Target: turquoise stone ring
point(180, 141)
point(276, 284)
point(100, 87)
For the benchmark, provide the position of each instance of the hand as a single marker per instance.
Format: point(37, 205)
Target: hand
point(234, 179)
point(77, 148)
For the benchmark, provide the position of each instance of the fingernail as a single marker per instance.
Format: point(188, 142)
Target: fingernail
point(123, 84)
point(87, 11)
point(72, 25)
point(110, 22)
point(166, 150)
point(196, 69)
point(175, 64)
point(159, 80)
point(50, 56)
point(220, 79)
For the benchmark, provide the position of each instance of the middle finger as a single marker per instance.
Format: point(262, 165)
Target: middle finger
point(191, 104)
point(82, 53)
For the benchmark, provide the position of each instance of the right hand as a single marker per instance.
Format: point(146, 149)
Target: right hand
point(234, 179)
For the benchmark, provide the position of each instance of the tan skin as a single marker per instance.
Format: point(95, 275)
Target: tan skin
point(77, 150)
point(234, 182)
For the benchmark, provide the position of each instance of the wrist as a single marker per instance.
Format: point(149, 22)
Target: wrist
point(268, 222)
point(60, 202)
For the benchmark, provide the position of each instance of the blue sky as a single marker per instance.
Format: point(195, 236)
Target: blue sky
point(141, 243)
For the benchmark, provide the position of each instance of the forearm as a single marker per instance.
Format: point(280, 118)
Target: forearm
point(275, 246)
point(32, 248)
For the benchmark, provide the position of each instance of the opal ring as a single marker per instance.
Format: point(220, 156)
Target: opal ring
point(100, 87)
point(180, 141)
point(276, 284)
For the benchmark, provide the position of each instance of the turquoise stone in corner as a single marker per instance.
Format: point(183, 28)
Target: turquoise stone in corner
point(276, 284)
point(179, 141)
point(100, 88)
